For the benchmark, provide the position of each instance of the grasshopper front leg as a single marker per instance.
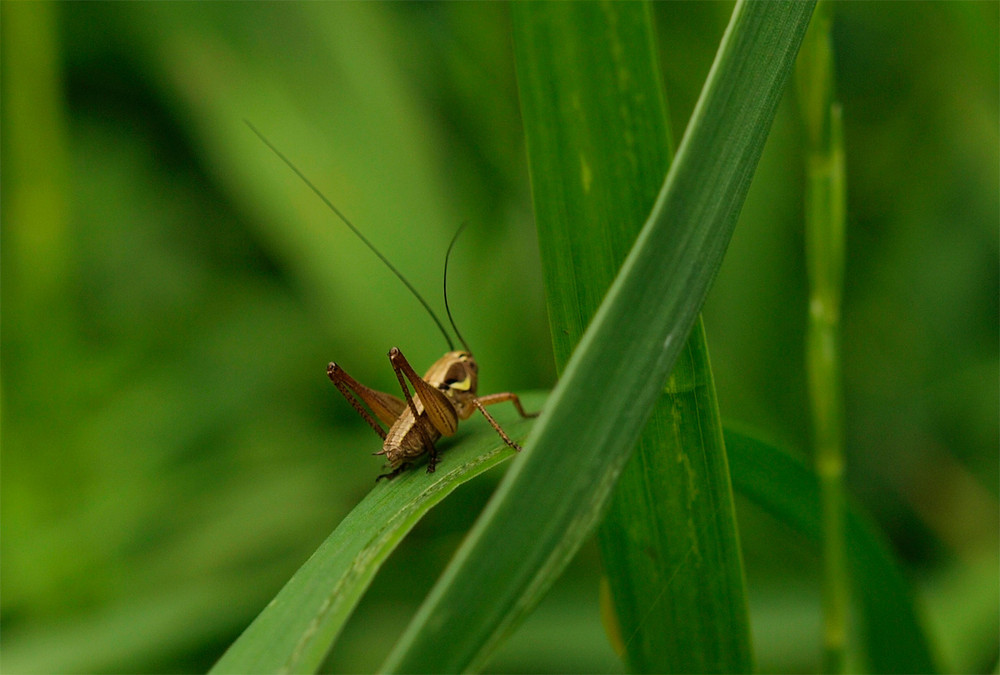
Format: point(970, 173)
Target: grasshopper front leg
point(405, 466)
point(482, 401)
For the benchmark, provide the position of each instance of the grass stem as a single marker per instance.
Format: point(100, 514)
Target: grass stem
point(824, 240)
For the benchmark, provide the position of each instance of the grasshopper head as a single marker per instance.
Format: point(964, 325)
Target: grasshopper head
point(457, 375)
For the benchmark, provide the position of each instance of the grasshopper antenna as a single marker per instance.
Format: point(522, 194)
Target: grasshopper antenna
point(364, 239)
point(447, 309)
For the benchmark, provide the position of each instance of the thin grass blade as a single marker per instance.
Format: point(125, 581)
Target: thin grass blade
point(824, 243)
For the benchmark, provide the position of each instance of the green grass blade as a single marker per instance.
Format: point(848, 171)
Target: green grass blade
point(296, 630)
point(892, 630)
point(555, 492)
point(598, 146)
point(824, 242)
point(669, 541)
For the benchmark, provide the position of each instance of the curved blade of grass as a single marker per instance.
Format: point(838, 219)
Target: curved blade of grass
point(668, 542)
point(296, 630)
point(894, 638)
point(554, 493)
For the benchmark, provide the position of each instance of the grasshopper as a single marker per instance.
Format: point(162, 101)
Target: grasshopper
point(445, 395)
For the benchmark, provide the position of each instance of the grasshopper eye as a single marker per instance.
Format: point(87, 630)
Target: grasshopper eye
point(458, 377)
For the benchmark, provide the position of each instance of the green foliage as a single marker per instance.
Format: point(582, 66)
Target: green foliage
point(552, 497)
point(599, 147)
point(297, 628)
point(824, 225)
point(172, 451)
point(786, 488)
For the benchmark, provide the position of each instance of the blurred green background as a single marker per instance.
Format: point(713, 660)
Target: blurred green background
point(171, 294)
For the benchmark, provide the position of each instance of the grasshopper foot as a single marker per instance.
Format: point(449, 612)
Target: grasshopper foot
point(395, 472)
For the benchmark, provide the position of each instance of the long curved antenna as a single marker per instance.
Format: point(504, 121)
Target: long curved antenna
point(399, 275)
point(447, 309)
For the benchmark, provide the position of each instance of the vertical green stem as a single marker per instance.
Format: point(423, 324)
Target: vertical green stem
point(824, 238)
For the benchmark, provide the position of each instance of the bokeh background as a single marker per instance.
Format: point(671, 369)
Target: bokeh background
point(171, 294)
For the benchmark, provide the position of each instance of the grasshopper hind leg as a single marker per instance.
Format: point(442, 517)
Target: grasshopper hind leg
point(387, 408)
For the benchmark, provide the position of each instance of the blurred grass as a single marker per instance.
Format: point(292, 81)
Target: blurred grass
point(825, 205)
point(891, 637)
point(168, 434)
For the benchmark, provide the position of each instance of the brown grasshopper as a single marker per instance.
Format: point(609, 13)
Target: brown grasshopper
point(445, 395)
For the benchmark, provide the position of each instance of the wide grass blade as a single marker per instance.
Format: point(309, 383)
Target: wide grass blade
point(599, 148)
point(555, 492)
point(669, 541)
point(296, 630)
